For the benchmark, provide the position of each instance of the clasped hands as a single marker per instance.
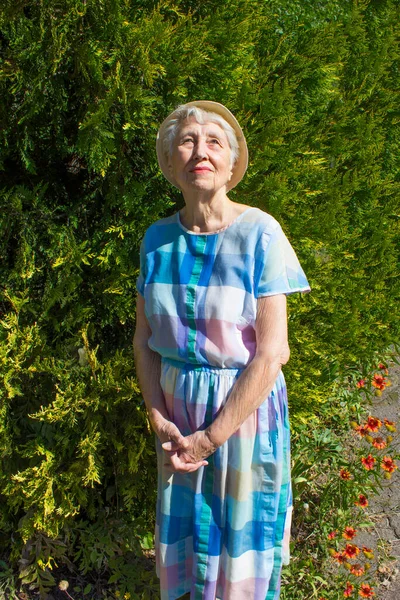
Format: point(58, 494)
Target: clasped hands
point(184, 454)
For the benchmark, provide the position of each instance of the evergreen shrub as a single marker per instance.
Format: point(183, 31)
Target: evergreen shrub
point(84, 87)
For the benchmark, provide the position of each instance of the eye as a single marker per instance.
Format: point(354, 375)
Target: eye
point(214, 141)
point(187, 140)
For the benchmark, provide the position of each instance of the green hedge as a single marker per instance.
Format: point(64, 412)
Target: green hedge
point(84, 86)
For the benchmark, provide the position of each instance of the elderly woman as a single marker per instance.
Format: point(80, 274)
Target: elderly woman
point(210, 341)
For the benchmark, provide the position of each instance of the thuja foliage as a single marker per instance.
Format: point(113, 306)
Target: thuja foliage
point(84, 87)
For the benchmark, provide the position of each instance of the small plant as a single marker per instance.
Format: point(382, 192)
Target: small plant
point(8, 585)
point(334, 473)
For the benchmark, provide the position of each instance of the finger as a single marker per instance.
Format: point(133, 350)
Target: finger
point(194, 467)
point(175, 436)
point(171, 446)
point(183, 458)
point(182, 469)
point(185, 467)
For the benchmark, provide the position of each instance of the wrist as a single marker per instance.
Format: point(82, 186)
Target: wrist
point(157, 417)
point(159, 425)
point(211, 441)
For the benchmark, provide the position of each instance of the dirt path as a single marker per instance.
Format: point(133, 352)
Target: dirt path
point(384, 510)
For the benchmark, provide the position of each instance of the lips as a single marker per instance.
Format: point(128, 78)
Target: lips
point(200, 170)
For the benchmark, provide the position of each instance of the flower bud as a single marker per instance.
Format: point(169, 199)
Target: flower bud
point(369, 438)
point(389, 439)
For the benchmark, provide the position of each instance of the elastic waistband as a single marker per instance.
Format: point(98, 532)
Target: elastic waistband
point(200, 367)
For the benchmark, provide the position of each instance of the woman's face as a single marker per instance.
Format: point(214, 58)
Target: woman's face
point(200, 157)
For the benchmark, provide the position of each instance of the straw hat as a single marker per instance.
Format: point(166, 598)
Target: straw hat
point(240, 165)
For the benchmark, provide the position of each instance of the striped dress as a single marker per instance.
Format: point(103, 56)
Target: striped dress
point(223, 531)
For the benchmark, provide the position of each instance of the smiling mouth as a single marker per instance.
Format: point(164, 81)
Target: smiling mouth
point(200, 170)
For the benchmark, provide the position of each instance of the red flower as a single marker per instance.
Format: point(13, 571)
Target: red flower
point(379, 443)
point(361, 383)
point(381, 366)
point(373, 424)
point(339, 557)
point(345, 474)
point(351, 551)
point(357, 570)
point(379, 381)
point(368, 462)
point(348, 590)
point(361, 430)
point(366, 591)
point(332, 535)
point(388, 464)
point(362, 501)
point(349, 533)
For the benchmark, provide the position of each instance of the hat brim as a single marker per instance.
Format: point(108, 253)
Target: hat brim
point(240, 166)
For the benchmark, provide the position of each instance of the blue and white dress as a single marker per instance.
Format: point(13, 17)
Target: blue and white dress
point(222, 531)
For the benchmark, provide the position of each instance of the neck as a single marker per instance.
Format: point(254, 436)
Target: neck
point(207, 213)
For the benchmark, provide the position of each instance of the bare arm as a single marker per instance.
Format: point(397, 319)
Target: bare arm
point(148, 371)
point(257, 380)
point(254, 384)
point(148, 368)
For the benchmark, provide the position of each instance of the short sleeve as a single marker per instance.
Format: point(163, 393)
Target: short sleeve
point(278, 268)
point(142, 269)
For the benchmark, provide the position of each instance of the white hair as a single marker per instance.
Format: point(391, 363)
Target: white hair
point(201, 116)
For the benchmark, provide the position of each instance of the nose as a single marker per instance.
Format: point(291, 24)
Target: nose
point(200, 149)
